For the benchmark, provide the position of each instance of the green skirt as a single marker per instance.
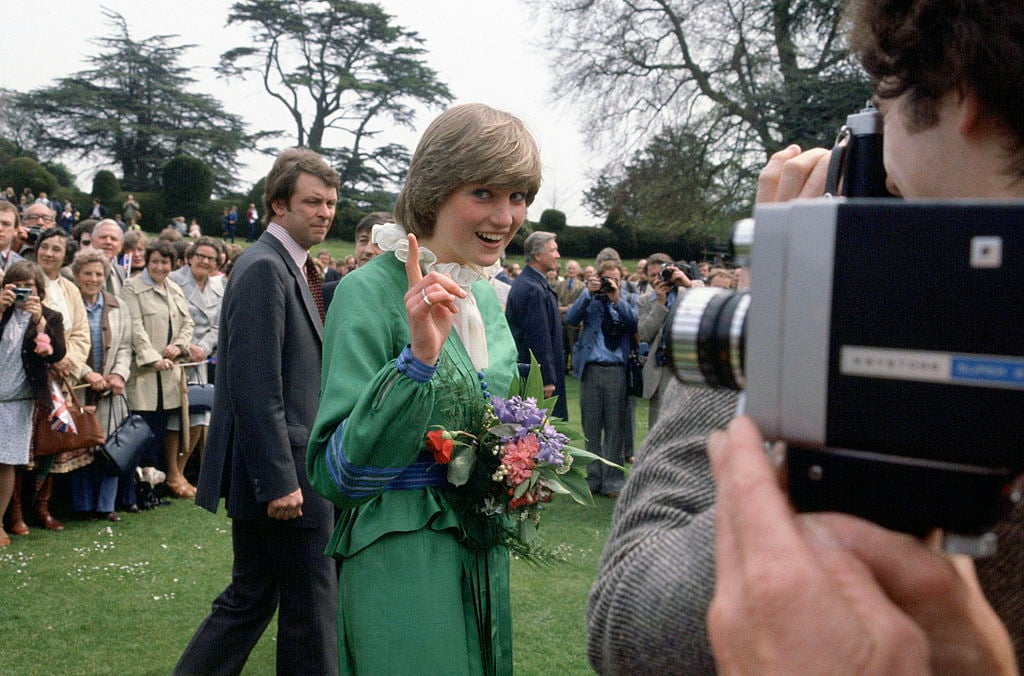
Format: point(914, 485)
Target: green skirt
point(420, 603)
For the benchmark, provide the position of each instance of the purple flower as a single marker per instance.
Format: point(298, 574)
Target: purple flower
point(516, 410)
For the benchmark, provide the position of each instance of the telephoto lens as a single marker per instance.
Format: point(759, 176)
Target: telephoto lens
point(707, 337)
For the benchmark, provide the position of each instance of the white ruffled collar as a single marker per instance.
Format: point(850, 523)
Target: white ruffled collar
point(392, 237)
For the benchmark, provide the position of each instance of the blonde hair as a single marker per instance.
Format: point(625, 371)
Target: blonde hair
point(467, 144)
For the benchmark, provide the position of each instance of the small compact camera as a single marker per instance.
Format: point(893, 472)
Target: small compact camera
point(606, 288)
point(21, 294)
point(896, 393)
point(33, 234)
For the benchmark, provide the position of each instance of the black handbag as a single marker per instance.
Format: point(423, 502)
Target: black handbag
point(635, 371)
point(125, 444)
point(200, 396)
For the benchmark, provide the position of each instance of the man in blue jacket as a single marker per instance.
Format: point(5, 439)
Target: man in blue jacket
point(608, 315)
point(534, 317)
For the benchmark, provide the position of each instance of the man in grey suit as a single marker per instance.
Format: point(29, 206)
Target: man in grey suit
point(653, 309)
point(268, 384)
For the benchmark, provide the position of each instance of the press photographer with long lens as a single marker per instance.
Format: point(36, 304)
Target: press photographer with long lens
point(822, 593)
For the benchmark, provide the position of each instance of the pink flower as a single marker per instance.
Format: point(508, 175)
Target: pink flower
point(43, 346)
point(519, 458)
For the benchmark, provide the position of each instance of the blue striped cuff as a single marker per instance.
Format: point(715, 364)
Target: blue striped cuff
point(413, 368)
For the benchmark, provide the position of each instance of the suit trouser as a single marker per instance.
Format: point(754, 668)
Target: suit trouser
point(604, 410)
point(276, 567)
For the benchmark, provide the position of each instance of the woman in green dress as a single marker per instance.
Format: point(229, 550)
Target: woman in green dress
point(410, 335)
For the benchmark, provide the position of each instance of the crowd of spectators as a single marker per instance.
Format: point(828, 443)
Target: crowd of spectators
point(140, 322)
point(131, 319)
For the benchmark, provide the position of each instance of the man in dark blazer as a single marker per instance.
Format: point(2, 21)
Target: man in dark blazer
point(534, 317)
point(268, 384)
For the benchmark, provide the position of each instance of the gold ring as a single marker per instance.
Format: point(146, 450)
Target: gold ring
point(423, 295)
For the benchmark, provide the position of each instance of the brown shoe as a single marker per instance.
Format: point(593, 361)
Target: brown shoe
point(41, 508)
point(183, 490)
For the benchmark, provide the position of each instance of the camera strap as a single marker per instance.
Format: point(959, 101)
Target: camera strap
point(837, 162)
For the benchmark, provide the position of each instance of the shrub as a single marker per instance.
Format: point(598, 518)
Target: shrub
point(187, 185)
point(24, 172)
point(106, 188)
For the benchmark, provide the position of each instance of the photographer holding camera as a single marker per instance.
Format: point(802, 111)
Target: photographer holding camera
point(666, 282)
point(608, 319)
point(822, 593)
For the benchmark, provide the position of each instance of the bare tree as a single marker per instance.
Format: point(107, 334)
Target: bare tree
point(751, 75)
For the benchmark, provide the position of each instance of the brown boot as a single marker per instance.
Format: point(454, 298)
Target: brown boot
point(41, 508)
point(15, 517)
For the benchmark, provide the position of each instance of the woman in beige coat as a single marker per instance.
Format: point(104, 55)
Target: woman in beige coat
point(161, 334)
point(106, 371)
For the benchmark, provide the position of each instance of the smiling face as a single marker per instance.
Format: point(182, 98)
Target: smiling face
point(475, 223)
point(90, 280)
point(203, 262)
point(50, 255)
point(308, 215)
point(159, 266)
point(108, 238)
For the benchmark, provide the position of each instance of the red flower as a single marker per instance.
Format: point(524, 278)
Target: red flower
point(439, 443)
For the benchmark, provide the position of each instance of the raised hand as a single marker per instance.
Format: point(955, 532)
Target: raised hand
point(430, 305)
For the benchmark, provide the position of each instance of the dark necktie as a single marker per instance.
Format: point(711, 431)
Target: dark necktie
point(316, 287)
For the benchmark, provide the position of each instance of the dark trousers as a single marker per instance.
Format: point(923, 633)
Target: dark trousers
point(276, 567)
point(605, 412)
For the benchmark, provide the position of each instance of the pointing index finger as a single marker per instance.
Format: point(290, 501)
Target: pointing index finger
point(412, 263)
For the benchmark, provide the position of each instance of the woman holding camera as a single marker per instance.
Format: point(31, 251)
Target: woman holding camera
point(31, 338)
point(608, 316)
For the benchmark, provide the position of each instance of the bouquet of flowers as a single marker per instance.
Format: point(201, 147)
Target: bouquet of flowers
point(518, 457)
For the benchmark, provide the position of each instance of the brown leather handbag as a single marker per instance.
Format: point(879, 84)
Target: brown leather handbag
point(48, 441)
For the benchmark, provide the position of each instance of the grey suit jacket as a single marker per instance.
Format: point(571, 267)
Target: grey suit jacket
point(651, 317)
point(268, 386)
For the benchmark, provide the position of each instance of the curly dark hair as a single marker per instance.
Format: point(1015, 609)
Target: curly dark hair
point(928, 48)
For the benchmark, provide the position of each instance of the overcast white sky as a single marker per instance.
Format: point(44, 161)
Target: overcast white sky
point(480, 48)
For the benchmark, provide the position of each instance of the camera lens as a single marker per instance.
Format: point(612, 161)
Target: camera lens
point(707, 338)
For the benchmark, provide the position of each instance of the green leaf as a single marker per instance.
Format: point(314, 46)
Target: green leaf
point(461, 466)
point(576, 486)
point(586, 457)
point(527, 531)
point(521, 489)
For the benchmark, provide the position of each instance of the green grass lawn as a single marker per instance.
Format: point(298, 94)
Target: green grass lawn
point(125, 598)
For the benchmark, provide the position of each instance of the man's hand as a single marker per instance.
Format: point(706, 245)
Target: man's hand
point(831, 593)
point(791, 173)
point(195, 353)
point(287, 507)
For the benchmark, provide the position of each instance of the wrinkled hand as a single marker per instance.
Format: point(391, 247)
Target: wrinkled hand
point(196, 353)
point(831, 593)
point(96, 381)
point(162, 365)
point(62, 368)
point(791, 173)
point(171, 352)
point(116, 384)
point(429, 324)
point(287, 507)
